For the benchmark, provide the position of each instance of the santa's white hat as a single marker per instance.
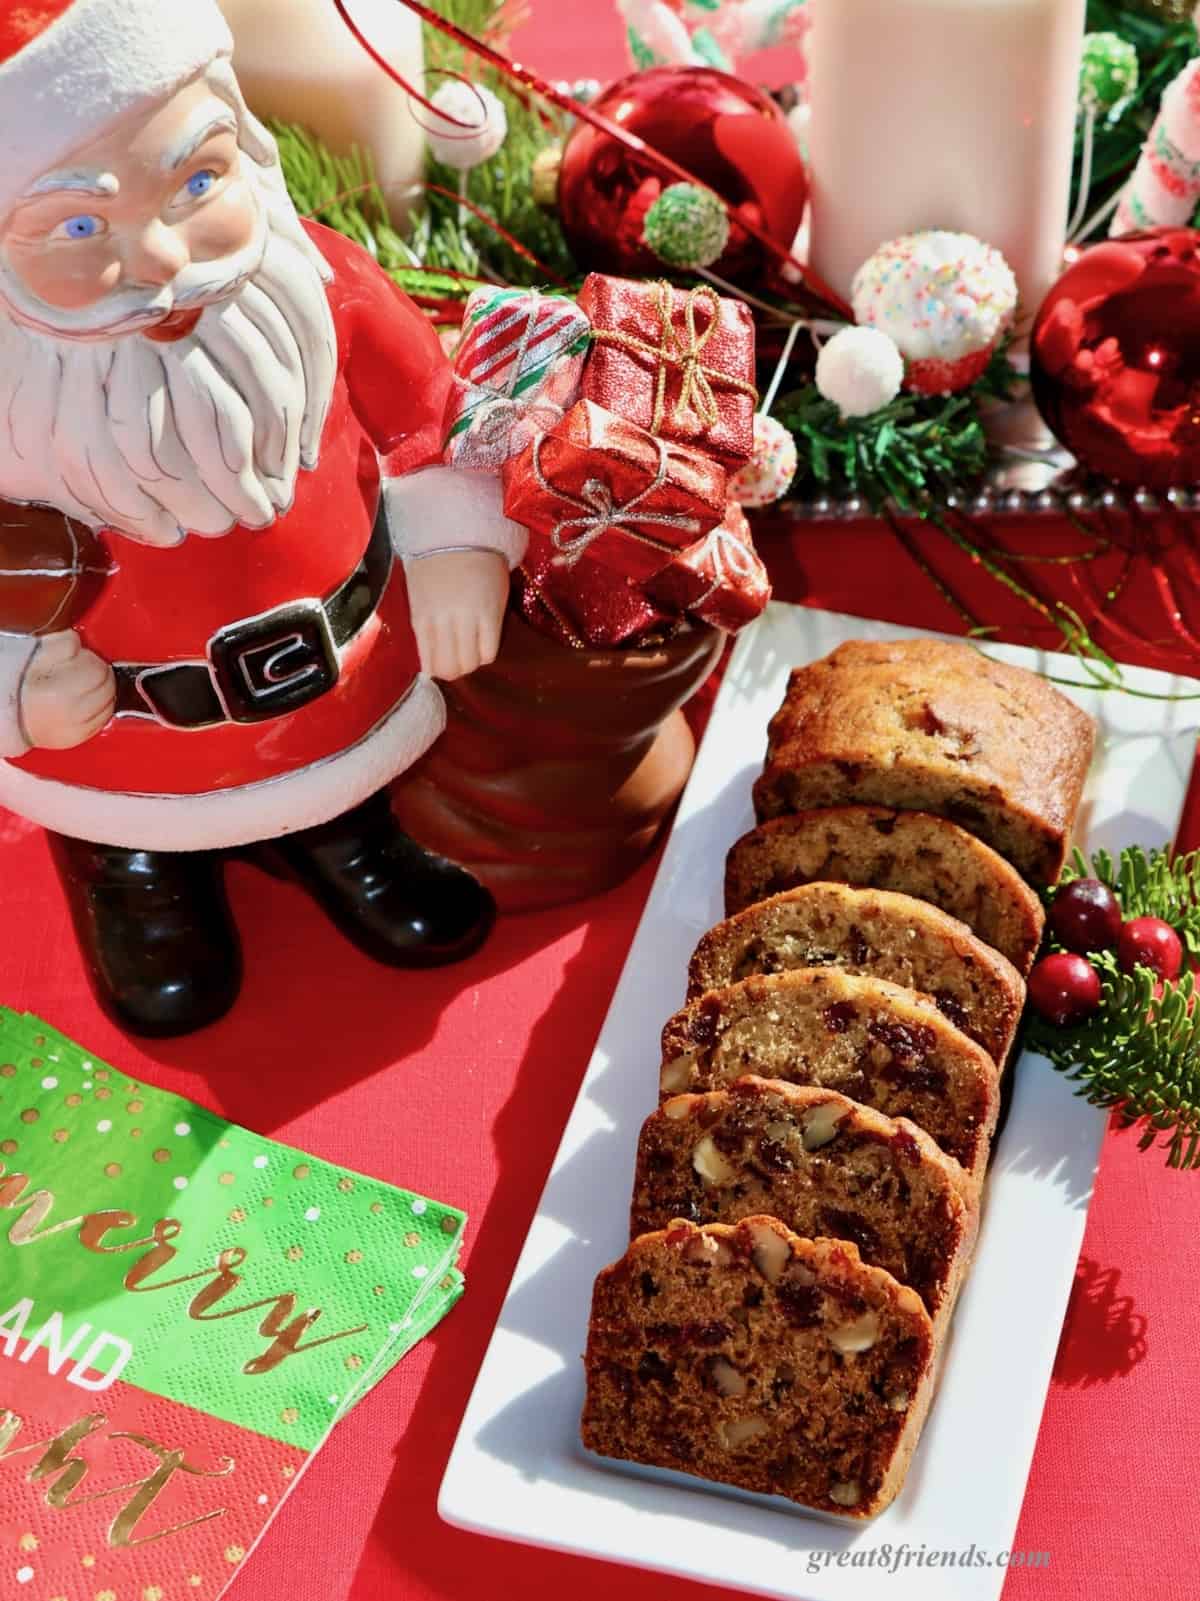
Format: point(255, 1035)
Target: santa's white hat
point(71, 69)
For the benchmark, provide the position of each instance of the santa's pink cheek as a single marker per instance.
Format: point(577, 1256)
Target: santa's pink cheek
point(225, 225)
point(66, 279)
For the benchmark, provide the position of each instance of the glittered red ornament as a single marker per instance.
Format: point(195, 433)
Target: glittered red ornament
point(1116, 359)
point(726, 132)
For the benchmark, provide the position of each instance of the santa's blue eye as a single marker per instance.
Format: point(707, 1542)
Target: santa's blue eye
point(201, 184)
point(81, 227)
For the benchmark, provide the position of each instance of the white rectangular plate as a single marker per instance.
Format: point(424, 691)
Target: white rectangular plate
point(518, 1469)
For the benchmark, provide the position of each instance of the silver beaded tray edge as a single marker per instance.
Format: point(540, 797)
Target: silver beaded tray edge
point(1060, 489)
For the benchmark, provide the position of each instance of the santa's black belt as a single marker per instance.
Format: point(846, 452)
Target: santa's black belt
point(265, 666)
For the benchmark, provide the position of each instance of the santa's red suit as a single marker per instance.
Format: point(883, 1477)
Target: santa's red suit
point(250, 612)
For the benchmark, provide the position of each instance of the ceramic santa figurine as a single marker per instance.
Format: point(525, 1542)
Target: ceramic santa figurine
point(249, 412)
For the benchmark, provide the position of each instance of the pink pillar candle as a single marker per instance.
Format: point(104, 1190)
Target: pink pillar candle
point(956, 114)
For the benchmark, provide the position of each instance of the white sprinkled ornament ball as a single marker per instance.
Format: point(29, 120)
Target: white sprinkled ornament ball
point(860, 370)
point(768, 475)
point(687, 226)
point(947, 300)
point(486, 125)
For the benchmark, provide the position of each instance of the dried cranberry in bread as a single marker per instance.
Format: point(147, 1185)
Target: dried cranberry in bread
point(877, 934)
point(749, 1356)
point(872, 1041)
point(821, 1164)
point(913, 853)
point(931, 726)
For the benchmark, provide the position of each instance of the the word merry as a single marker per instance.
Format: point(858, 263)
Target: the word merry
point(279, 1323)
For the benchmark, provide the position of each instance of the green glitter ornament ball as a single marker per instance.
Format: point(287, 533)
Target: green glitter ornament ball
point(1109, 73)
point(687, 227)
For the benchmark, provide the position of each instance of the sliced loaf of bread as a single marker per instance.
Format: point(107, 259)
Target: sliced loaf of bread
point(749, 1356)
point(873, 933)
point(870, 1040)
point(821, 1164)
point(930, 725)
point(913, 853)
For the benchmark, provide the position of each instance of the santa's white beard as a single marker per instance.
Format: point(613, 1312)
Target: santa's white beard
point(160, 440)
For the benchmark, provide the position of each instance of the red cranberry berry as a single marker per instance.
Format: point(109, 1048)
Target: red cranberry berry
point(1064, 989)
point(1086, 916)
point(1149, 942)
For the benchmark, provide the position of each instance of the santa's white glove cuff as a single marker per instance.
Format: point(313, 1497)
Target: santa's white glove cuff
point(16, 653)
point(445, 508)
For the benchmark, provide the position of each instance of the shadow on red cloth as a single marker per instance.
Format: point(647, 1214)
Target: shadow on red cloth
point(1103, 1337)
point(315, 1015)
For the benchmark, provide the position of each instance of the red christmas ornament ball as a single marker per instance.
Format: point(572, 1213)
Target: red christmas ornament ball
point(1116, 359)
point(1149, 942)
point(1064, 989)
point(1086, 916)
point(723, 130)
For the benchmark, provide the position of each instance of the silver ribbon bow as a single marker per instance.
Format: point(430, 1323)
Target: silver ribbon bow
point(599, 512)
point(731, 558)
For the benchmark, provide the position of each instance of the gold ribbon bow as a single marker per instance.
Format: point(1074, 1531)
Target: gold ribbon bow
point(683, 351)
point(599, 511)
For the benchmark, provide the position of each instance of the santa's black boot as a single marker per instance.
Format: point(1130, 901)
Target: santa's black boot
point(157, 938)
point(395, 900)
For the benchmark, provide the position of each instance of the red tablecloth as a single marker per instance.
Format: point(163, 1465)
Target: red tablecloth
point(459, 1084)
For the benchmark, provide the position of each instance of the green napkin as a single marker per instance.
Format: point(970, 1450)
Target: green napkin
point(196, 1288)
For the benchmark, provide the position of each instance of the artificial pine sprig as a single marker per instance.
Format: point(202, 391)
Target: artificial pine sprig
point(902, 454)
point(1140, 1052)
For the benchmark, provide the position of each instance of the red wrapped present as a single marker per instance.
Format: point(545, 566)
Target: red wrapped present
point(679, 363)
point(720, 580)
point(589, 606)
point(597, 486)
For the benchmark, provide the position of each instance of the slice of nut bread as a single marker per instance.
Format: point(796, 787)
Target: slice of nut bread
point(872, 1041)
point(873, 933)
point(750, 1356)
point(910, 852)
point(821, 1164)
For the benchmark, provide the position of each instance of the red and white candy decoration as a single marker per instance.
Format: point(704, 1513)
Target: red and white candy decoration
point(946, 299)
point(1165, 187)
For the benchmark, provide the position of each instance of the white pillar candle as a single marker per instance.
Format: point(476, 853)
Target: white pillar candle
point(297, 61)
point(955, 114)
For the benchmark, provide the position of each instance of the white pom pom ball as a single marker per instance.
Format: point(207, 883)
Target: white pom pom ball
point(860, 370)
point(486, 125)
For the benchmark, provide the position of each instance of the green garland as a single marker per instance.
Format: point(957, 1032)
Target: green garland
point(342, 193)
point(501, 188)
point(907, 454)
point(1140, 1053)
point(912, 449)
